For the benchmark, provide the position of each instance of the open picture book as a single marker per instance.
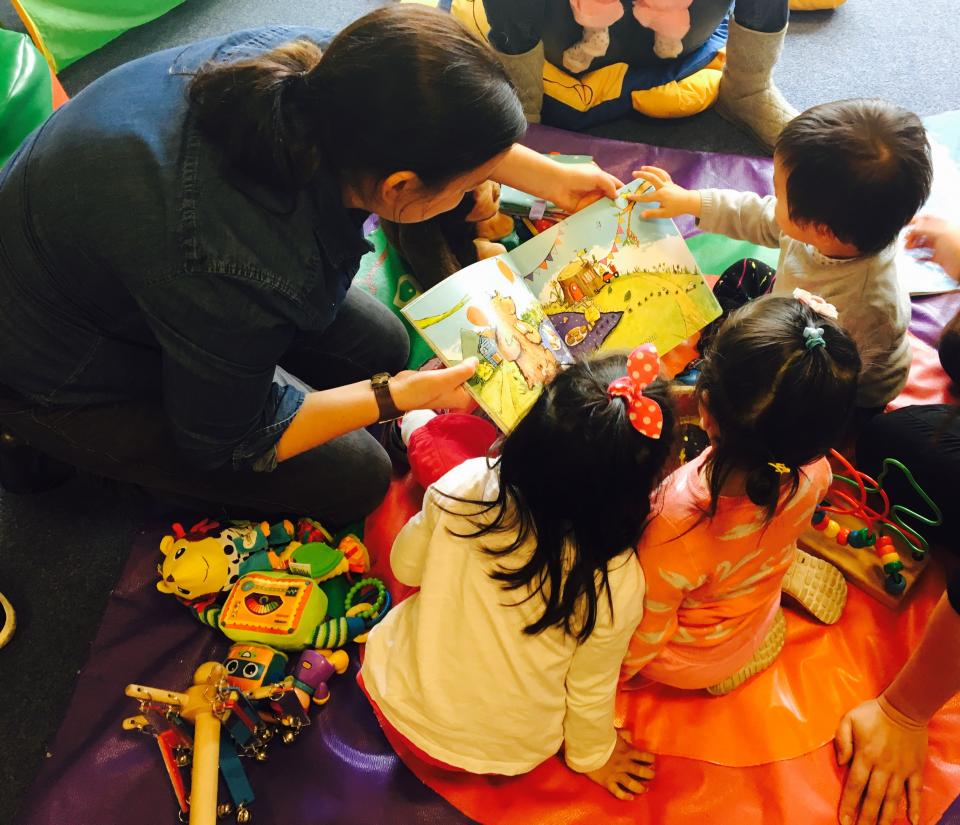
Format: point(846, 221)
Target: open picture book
point(602, 280)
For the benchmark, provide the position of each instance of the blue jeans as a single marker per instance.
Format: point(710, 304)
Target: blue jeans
point(516, 26)
point(762, 15)
point(131, 441)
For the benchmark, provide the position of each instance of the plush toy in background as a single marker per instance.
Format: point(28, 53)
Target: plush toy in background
point(275, 584)
point(669, 20)
point(474, 231)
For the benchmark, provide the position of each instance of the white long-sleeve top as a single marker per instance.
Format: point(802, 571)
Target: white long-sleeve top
point(451, 668)
point(874, 308)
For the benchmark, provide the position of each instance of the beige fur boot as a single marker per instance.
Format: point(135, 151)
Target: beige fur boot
point(748, 96)
point(526, 73)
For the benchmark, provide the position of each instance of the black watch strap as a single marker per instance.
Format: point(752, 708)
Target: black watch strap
point(381, 391)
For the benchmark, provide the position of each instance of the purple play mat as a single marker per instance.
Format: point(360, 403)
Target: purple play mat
point(341, 770)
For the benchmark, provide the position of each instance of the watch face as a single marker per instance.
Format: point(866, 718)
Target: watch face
point(381, 379)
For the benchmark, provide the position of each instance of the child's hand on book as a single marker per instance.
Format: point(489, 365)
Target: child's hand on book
point(673, 200)
point(580, 184)
point(625, 771)
point(434, 389)
point(940, 239)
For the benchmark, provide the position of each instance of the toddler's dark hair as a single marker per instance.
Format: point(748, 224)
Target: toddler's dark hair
point(577, 477)
point(774, 401)
point(860, 167)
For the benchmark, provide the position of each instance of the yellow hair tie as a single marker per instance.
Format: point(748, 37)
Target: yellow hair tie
point(778, 468)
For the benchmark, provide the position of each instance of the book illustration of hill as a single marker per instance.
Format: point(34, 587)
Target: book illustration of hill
point(595, 304)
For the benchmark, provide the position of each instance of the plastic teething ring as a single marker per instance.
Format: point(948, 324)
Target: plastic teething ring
point(373, 609)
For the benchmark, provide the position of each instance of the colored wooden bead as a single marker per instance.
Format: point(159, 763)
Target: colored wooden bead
point(895, 584)
point(818, 516)
point(893, 567)
point(870, 540)
point(822, 524)
point(831, 530)
point(885, 541)
point(842, 535)
point(855, 539)
point(887, 558)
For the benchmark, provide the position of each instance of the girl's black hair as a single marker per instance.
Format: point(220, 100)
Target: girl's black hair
point(576, 477)
point(404, 87)
point(774, 400)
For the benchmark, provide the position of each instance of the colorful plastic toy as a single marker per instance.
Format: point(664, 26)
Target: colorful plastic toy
point(272, 585)
point(201, 704)
point(236, 710)
point(250, 666)
point(883, 525)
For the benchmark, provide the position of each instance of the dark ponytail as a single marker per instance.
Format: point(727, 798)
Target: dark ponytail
point(404, 87)
point(243, 106)
point(778, 404)
point(576, 477)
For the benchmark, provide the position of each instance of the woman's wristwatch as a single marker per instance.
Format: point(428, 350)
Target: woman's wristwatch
point(381, 391)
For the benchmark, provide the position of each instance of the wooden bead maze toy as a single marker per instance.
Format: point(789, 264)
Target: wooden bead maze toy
point(857, 529)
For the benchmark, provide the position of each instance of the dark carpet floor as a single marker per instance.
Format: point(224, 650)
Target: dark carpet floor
point(61, 552)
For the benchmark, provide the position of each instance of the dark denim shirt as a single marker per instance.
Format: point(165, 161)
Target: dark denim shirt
point(134, 265)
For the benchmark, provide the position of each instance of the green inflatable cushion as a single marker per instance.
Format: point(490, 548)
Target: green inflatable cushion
point(26, 92)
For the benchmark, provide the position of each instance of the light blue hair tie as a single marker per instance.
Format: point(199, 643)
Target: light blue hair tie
point(813, 337)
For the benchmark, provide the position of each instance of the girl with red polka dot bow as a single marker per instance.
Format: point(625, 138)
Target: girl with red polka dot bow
point(529, 585)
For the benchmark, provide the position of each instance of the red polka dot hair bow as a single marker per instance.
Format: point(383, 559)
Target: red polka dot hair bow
point(643, 368)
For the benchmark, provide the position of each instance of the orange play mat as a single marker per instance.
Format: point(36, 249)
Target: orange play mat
point(763, 754)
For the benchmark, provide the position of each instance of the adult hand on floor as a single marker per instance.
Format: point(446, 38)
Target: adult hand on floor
point(433, 389)
point(888, 751)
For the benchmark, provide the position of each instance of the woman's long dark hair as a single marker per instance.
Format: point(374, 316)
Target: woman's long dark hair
point(576, 478)
point(404, 87)
point(774, 401)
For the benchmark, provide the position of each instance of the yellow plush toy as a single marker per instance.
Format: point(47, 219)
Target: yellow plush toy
point(206, 559)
